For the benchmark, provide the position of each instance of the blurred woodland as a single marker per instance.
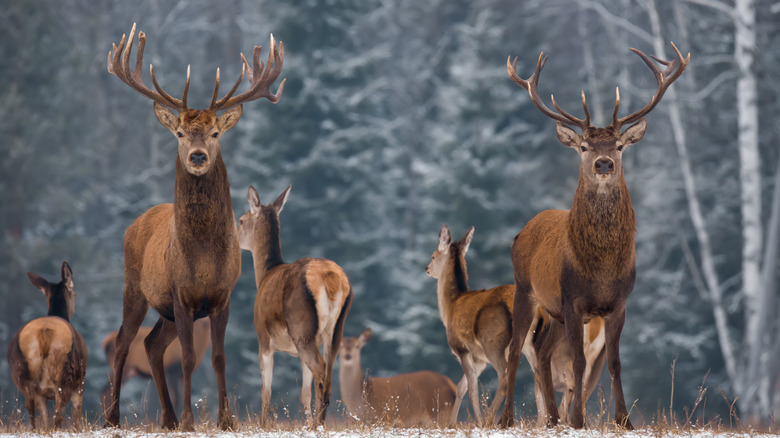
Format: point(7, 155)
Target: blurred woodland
point(398, 116)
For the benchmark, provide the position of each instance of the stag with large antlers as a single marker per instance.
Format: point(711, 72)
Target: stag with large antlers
point(183, 259)
point(580, 264)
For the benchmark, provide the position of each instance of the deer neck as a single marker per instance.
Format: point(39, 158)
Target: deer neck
point(351, 380)
point(601, 225)
point(453, 282)
point(266, 249)
point(202, 209)
point(58, 306)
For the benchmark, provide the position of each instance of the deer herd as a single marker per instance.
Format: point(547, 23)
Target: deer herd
point(573, 272)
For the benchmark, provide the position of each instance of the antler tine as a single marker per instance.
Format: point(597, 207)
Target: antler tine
point(673, 71)
point(119, 65)
point(186, 88)
point(216, 91)
point(531, 85)
point(260, 77)
point(617, 105)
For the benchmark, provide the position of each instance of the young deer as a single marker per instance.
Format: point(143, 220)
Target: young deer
point(560, 359)
point(422, 398)
point(478, 322)
point(579, 264)
point(478, 325)
point(47, 357)
point(299, 306)
point(137, 364)
point(183, 259)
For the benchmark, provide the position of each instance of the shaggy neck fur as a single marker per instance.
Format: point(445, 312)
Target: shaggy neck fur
point(602, 226)
point(202, 209)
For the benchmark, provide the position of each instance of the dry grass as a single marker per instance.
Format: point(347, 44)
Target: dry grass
point(665, 423)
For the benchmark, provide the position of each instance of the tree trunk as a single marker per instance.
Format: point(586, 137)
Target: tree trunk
point(754, 400)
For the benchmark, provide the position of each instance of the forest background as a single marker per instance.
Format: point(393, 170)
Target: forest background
point(398, 116)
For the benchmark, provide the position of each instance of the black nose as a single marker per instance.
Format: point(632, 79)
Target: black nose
point(198, 158)
point(605, 166)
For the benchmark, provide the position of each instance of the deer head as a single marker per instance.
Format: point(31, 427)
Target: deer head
point(447, 250)
point(261, 220)
point(198, 131)
point(60, 296)
point(350, 347)
point(601, 149)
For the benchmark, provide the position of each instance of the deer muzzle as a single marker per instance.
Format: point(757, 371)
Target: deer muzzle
point(604, 166)
point(198, 158)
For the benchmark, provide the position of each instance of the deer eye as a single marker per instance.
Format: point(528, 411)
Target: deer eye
point(620, 148)
point(179, 134)
point(583, 149)
point(215, 135)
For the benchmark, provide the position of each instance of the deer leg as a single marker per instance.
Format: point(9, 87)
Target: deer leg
point(155, 343)
point(134, 307)
point(574, 329)
point(612, 330)
point(29, 403)
point(330, 352)
point(471, 373)
point(218, 326)
point(461, 389)
point(266, 357)
point(61, 398)
point(544, 346)
point(184, 322)
point(564, 408)
point(41, 406)
point(306, 379)
point(311, 357)
point(77, 401)
point(595, 374)
point(498, 361)
point(541, 411)
point(522, 315)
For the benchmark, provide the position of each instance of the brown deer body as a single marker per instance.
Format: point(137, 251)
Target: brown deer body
point(183, 259)
point(47, 357)
point(580, 264)
point(422, 398)
point(137, 364)
point(299, 306)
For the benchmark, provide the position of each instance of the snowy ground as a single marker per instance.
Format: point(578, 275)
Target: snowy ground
point(402, 433)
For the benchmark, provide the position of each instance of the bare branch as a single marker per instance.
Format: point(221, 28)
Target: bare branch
point(718, 6)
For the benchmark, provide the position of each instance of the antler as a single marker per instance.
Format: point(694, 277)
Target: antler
point(260, 79)
point(119, 66)
point(531, 85)
point(665, 78)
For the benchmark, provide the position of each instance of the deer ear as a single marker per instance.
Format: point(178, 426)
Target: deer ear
point(166, 117)
point(229, 118)
point(634, 133)
point(466, 240)
point(445, 238)
point(67, 275)
point(39, 282)
point(567, 136)
point(254, 200)
point(278, 204)
point(365, 336)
